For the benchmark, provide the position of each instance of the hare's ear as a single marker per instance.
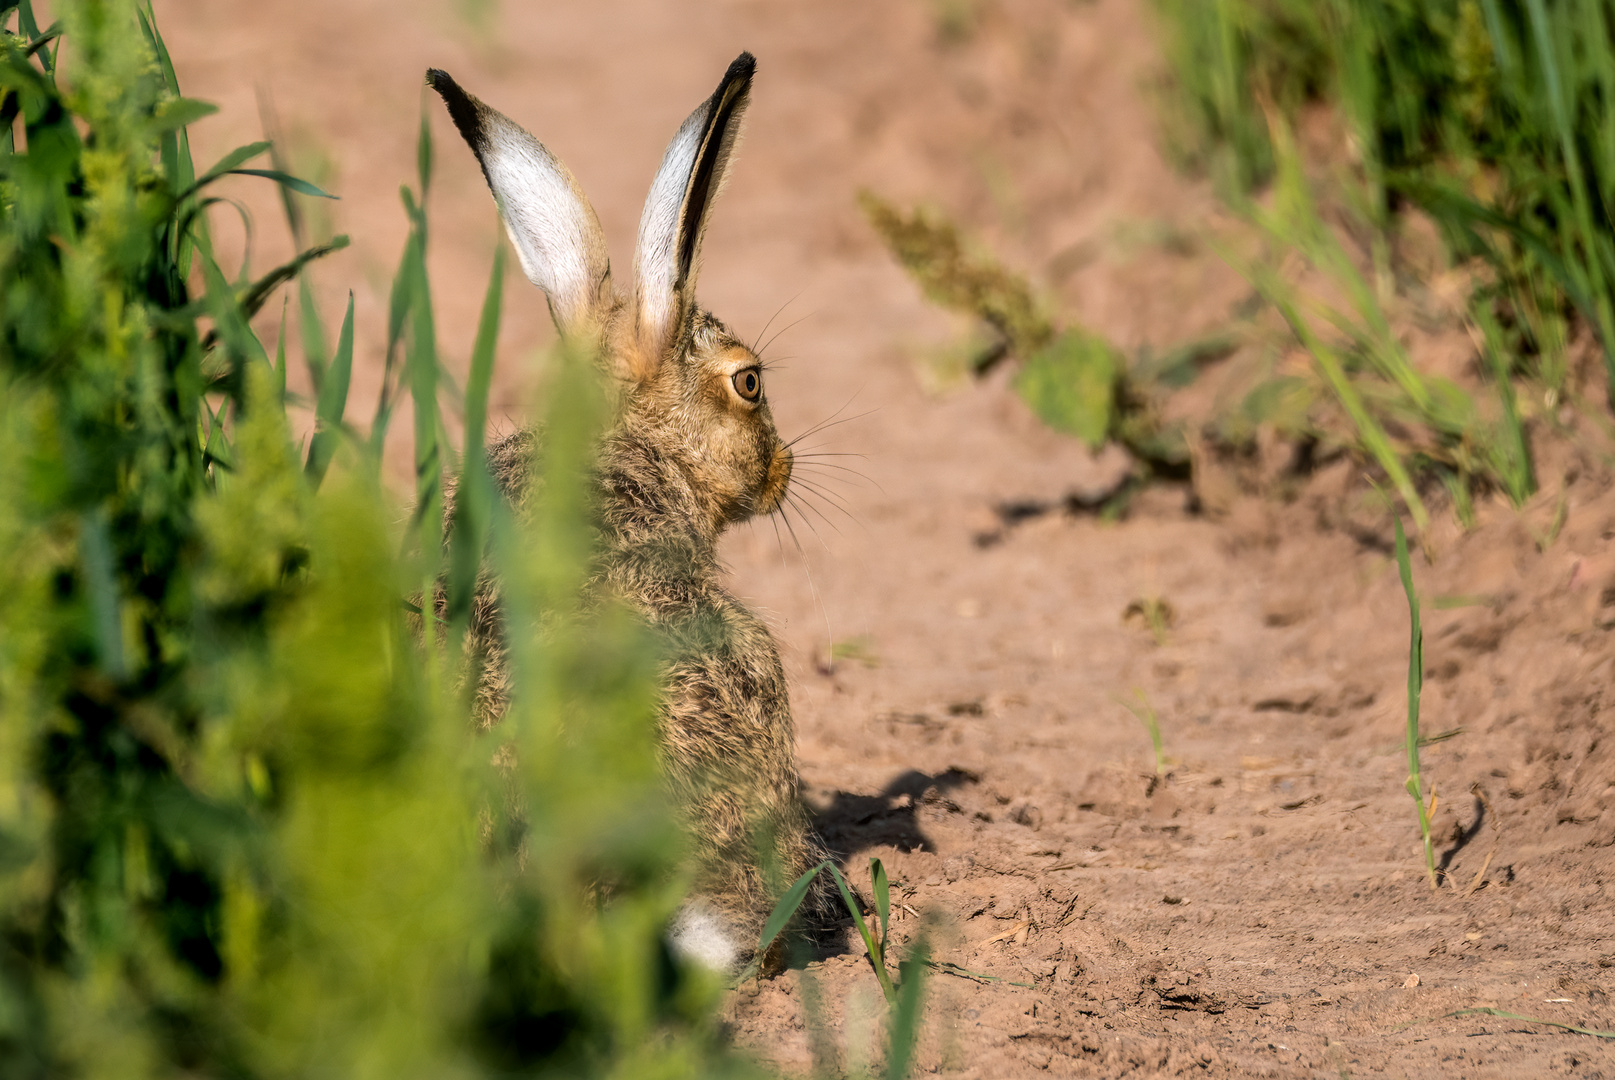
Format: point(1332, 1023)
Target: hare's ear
point(551, 223)
point(675, 216)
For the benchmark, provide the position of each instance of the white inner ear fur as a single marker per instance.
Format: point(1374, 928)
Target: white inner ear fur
point(656, 269)
point(553, 227)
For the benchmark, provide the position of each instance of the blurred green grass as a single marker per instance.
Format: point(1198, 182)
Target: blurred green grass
point(247, 828)
point(1492, 116)
point(1329, 126)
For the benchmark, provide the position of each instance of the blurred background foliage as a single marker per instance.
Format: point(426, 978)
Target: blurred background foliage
point(247, 827)
point(1492, 116)
point(1336, 130)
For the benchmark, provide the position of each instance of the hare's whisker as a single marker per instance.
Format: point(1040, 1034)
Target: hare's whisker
point(783, 516)
point(837, 468)
point(844, 407)
point(813, 587)
point(827, 496)
point(779, 540)
point(846, 513)
point(788, 326)
point(777, 312)
point(828, 424)
point(839, 480)
point(802, 506)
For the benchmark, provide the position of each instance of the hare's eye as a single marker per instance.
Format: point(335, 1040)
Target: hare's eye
point(748, 383)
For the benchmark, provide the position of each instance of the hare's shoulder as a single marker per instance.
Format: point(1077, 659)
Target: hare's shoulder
point(716, 637)
point(510, 463)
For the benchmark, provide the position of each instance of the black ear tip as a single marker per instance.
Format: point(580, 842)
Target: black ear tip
point(743, 67)
point(462, 106)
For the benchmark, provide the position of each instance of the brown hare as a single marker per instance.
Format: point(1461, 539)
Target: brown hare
point(693, 450)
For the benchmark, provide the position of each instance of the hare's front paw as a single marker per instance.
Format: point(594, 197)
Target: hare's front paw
point(701, 934)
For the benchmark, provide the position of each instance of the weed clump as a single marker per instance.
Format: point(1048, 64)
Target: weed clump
point(1075, 380)
point(247, 826)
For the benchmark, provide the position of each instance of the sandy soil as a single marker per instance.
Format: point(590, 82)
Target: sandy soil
point(1259, 909)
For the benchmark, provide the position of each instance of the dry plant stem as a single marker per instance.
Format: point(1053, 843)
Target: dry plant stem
point(1497, 839)
point(1415, 685)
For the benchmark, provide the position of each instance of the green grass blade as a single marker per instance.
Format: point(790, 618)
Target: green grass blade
point(905, 1021)
point(288, 205)
point(254, 296)
point(1513, 454)
point(1484, 1010)
point(302, 187)
point(1369, 432)
point(474, 495)
point(421, 364)
point(399, 302)
point(229, 323)
point(311, 328)
point(863, 931)
point(280, 352)
point(30, 30)
point(423, 152)
point(332, 403)
point(1415, 782)
point(787, 906)
point(174, 146)
point(180, 113)
point(226, 164)
point(883, 901)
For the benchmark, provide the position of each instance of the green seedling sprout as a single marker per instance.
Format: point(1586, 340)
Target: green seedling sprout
point(1415, 782)
point(903, 997)
point(1145, 714)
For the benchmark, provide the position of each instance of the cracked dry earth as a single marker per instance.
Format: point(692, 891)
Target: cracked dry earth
point(1259, 908)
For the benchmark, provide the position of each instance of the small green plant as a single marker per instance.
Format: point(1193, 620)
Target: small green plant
point(1364, 366)
point(1415, 781)
point(1144, 713)
point(1155, 612)
point(905, 996)
point(859, 649)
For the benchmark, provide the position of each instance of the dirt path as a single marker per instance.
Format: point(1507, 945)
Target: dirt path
point(1257, 911)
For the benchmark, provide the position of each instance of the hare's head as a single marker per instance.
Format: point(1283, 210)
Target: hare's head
point(692, 390)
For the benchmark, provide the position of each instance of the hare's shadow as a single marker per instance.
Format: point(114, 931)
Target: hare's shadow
point(852, 824)
point(855, 823)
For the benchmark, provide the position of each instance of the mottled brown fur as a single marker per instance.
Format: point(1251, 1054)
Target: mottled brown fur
point(685, 459)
